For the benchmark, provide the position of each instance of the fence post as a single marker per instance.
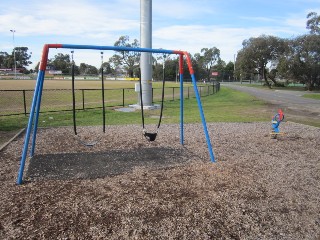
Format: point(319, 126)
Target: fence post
point(82, 90)
point(173, 93)
point(24, 102)
point(188, 93)
point(122, 97)
point(152, 95)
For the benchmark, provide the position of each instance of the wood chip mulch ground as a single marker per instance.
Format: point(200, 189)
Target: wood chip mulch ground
point(125, 187)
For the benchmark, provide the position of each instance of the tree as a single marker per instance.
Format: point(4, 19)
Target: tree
point(107, 69)
point(61, 62)
point(301, 61)
point(209, 57)
point(171, 69)
point(86, 69)
point(128, 59)
point(229, 70)
point(313, 23)
point(245, 67)
point(22, 57)
point(5, 61)
point(258, 53)
point(199, 67)
point(225, 70)
point(76, 70)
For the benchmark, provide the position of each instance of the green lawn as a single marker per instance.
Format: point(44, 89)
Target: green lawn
point(312, 95)
point(226, 106)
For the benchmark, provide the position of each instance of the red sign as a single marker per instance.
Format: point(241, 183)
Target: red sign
point(215, 73)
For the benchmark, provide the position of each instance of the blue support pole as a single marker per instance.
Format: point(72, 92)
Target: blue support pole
point(29, 127)
point(114, 48)
point(181, 99)
point(36, 120)
point(202, 117)
point(181, 110)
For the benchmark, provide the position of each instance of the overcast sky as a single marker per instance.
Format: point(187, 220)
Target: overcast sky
point(177, 24)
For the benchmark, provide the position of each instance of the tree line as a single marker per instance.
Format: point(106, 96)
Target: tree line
point(271, 58)
point(267, 58)
point(21, 57)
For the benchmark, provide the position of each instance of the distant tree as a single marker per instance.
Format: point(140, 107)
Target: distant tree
point(128, 59)
point(258, 53)
point(5, 60)
point(107, 69)
point(171, 69)
point(225, 70)
point(209, 57)
point(157, 68)
point(301, 60)
point(158, 61)
point(245, 68)
point(313, 23)
point(86, 69)
point(199, 67)
point(76, 70)
point(167, 65)
point(22, 57)
point(229, 70)
point(61, 62)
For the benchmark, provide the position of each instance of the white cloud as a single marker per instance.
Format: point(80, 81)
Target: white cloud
point(74, 18)
point(260, 19)
point(181, 9)
point(194, 37)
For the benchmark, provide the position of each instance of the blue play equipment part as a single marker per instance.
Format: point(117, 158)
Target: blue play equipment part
point(276, 120)
point(36, 101)
point(181, 102)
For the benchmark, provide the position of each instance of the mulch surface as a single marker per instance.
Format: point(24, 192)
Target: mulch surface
point(125, 187)
point(92, 165)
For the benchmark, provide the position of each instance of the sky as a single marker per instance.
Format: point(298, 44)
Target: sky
point(187, 25)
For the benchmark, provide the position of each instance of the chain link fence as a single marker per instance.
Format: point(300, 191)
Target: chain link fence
point(17, 102)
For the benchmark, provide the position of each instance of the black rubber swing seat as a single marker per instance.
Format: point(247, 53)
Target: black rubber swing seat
point(150, 136)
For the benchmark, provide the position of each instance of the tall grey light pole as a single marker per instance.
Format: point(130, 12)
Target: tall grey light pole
point(14, 54)
point(146, 58)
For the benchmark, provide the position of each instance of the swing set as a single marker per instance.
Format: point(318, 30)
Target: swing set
point(36, 101)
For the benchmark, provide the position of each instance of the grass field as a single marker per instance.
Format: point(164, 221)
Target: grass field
point(57, 96)
point(226, 106)
point(66, 84)
point(313, 96)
